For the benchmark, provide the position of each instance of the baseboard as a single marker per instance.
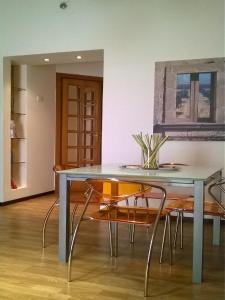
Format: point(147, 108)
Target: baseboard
point(26, 198)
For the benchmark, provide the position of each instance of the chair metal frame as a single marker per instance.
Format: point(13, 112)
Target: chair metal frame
point(180, 211)
point(171, 197)
point(146, 197)
point(52, 207)
point(111, 203)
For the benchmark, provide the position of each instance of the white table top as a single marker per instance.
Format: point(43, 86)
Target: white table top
point(183, 173)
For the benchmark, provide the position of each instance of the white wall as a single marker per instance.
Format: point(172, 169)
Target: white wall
point(41, 130)
point(134, 34)
point(90, 69)
point(5, 160)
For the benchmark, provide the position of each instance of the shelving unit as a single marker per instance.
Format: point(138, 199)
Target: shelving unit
point(18, 130)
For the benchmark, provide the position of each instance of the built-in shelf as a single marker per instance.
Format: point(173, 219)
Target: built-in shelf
point(18, 131)
point(19, 188)
point(18, 89)
point(17, 113)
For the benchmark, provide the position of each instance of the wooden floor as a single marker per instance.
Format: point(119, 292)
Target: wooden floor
point(28, 272)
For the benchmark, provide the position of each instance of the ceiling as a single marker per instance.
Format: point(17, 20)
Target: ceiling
point(58, 58)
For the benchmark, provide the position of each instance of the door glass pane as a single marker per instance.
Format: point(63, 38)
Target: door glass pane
point(72, 139)
point(72, 155)
point(89, 95)
point(72, 107)
point(73, 92)
point(87, 154)
point(205, 92)
point(88, 139)
point(88, 124)
point(88, 109)
point(183, 96)
point(72, 123)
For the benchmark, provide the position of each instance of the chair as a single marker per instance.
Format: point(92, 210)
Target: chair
point(153, 195)
point(56, 204)
point(181, 206)
point(114, 212)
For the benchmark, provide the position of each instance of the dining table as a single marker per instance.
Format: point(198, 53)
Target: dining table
point(196, 177)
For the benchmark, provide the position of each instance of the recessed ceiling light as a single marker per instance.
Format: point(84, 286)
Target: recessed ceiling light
point(46, 59)
point(79, 57)
point(63, 5)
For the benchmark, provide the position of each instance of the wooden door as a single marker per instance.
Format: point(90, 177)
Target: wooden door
point(79, 120)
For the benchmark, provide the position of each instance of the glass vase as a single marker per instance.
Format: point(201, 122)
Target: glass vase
point(150, 160)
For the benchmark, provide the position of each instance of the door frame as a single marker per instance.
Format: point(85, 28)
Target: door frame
point(59, 79)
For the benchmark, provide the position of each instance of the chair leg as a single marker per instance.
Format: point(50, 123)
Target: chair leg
point(110, 238)
point(146, 201)
point(147, 270)
point(181, 230)
point(74, 236)
point(147, 205)
point(46, 221)
point(132, 226)
point(129, 225)
point(163, 239)
point(116, 239)
point(73, 216)
point(170, 241)
point(176, 229)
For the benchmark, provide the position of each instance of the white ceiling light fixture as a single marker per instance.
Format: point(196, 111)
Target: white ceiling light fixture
point(79, 57)
point(46, 59)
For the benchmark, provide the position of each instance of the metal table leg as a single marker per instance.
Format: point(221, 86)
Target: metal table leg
point(198, 232)
point(64, 218)
point(216, 223)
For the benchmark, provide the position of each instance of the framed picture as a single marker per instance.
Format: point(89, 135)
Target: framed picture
point(189, 102)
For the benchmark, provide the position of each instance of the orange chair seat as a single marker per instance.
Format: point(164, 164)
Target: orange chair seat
point(131, 214)
point(210, 208)
point(169, 196)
